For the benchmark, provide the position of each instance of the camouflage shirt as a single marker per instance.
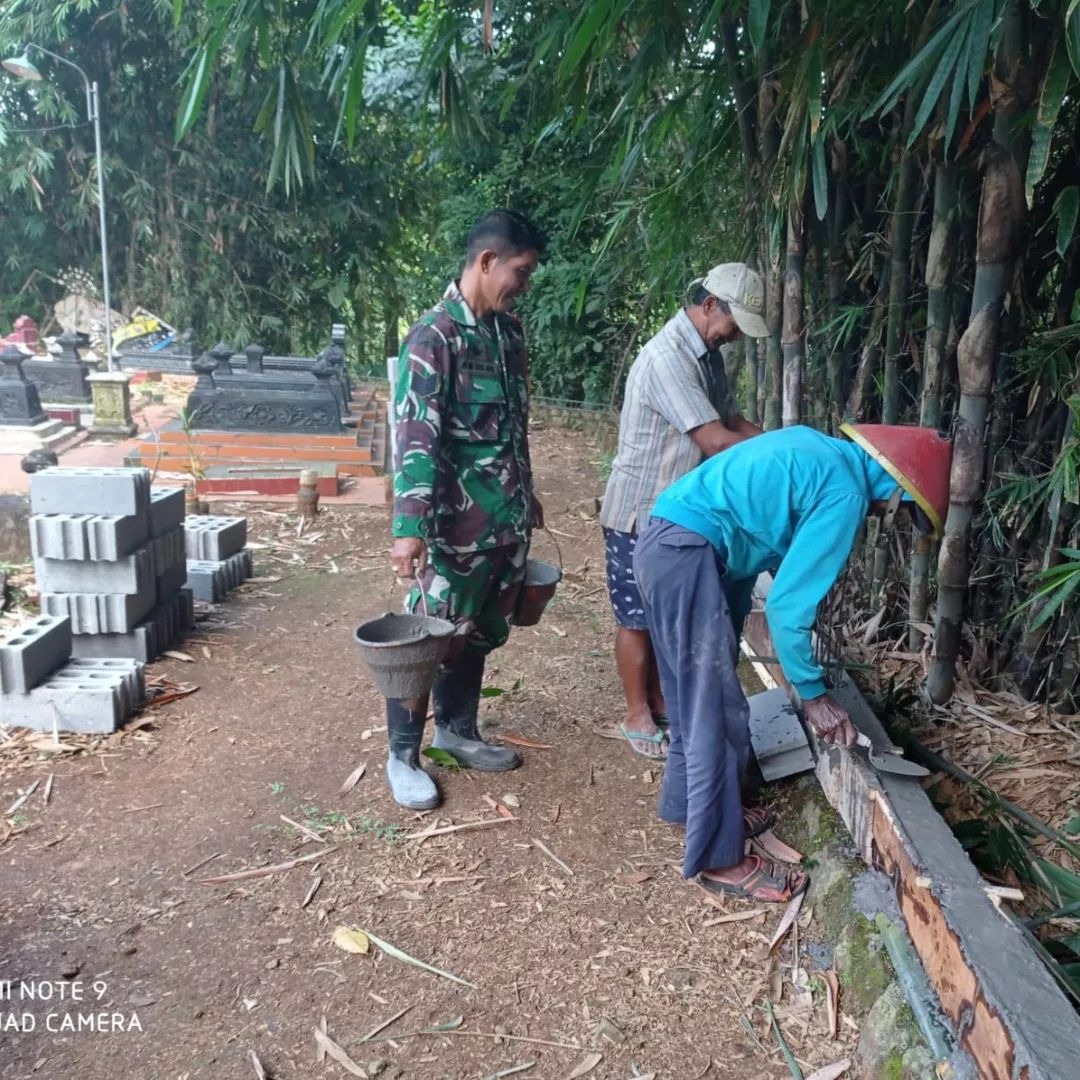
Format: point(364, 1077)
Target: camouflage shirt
point(461, 408)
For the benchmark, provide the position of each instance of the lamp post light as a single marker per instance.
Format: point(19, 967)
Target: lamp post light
point(24, 69)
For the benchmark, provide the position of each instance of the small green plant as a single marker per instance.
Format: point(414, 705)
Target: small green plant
point(194, 462)
point(442, 758)
point(1056, 585)
point(604, 462)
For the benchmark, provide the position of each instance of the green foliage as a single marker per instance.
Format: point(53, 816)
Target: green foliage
point(194, 233)
point(1055, 587)
point(954, 57)
point(442, 758)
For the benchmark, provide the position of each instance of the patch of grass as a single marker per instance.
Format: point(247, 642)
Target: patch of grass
point(893, 1067)
point(862, 965)
point(331, 820)
point(603, 463)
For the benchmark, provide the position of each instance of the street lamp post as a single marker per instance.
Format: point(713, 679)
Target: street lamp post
point(24, 69)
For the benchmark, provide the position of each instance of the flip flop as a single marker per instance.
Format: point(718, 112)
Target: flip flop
point(660, 719)
point(751, 886)
point(765, 819)
point(634, 736)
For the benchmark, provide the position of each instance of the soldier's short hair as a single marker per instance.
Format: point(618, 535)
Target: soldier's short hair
point(506, 232)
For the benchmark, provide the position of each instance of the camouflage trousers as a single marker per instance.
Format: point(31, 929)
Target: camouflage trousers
point(477, 592)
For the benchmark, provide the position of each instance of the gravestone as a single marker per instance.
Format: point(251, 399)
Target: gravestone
point(328, 364)
point(258, 400)
point(24, 333)
point(63, 379)
point(20, 404)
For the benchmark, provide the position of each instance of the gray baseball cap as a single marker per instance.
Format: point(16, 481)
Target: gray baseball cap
point(744, 292)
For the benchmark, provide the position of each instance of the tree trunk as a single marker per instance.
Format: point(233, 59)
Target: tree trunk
point(903, 224)
point(871, 352)
point(793, 340)
point(939, 267)
point(752, 370)
point(769, 142)
point(774, 358)
point(939, 263)
point(1001, 222)
point(839, 213)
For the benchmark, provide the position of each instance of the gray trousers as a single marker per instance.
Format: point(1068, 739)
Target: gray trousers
point(695, 616)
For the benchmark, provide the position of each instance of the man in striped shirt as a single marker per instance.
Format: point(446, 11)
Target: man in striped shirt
point(677, 411)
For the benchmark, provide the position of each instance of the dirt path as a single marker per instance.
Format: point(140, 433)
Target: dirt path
point(616, 957)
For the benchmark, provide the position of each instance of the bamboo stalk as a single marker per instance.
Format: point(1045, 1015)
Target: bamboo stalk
point(793, 341)
point(1001, 222)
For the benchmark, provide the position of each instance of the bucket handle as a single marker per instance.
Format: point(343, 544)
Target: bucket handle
point(558, 550)
point(419, 584)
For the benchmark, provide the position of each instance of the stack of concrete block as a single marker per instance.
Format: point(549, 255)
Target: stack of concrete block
point(217, 559)
point(109, 553)
point(43, 689)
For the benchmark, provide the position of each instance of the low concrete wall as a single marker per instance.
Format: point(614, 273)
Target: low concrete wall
point(1002, 1003)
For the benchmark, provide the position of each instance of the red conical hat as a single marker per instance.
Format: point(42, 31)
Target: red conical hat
point(917, 458)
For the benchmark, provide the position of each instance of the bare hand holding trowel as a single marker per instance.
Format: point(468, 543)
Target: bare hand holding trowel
point(832, 724)
point(830, 721)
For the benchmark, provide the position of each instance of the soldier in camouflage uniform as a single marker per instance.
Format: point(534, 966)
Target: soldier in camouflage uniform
point(463, 502)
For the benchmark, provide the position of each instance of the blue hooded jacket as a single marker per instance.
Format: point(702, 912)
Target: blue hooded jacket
point(794, 499)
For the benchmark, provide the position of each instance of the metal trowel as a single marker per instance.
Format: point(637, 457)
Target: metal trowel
point(889, 758)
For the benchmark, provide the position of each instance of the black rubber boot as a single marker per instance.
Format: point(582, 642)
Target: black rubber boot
point(409, 783)
point(457, 701)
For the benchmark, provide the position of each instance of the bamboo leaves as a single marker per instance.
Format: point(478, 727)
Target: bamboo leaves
point(955, 58)
point(1054, 88)
point(757, 22)
point(1072, 33)
point(1066, 206)
point(1057, 584)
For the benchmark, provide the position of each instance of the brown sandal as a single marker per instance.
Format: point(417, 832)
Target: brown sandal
point(752, 887)
point(757, 820)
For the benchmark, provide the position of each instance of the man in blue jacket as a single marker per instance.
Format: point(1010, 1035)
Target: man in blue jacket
point(790, 501)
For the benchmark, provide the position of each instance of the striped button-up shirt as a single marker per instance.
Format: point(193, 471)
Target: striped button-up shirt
point(675, 385)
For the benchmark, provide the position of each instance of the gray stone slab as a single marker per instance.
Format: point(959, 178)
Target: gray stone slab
point(86, 536)
point(168, 551)
point(186, 602)
point(117, 492)
point(207, 580)
point(165, 628)
point(33, 653)
point(214, 538)
point(97, 706)
point(171, 582)
point(112, 537)
point(20, 404)
point(776, 736)
point(132, 671)
point(102, 613)
point(167, 509)
point(143, 644)
point(59, 536)
point(61, 381)
point(131, 574)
